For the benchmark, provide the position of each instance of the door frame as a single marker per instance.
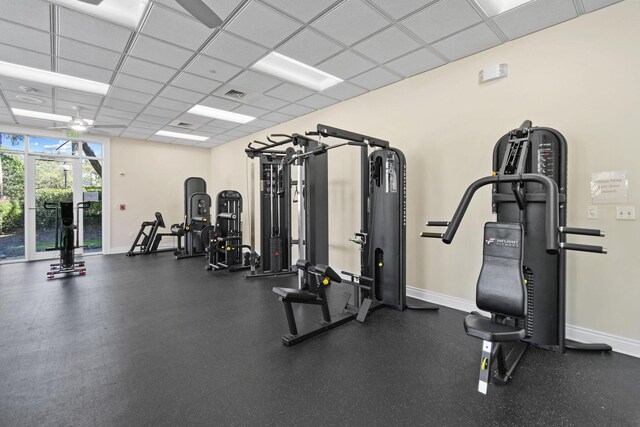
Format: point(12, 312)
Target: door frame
point(31, 252)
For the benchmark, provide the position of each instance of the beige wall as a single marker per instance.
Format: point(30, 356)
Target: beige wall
point(148, 177)
point(580, 77)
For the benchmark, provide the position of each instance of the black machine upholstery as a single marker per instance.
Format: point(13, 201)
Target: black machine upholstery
point(489, 330)
point(501, 287)
point(66, 213)
point(295, 295)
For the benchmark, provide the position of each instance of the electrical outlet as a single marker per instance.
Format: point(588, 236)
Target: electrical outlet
point(592, 212)
point(626, 213)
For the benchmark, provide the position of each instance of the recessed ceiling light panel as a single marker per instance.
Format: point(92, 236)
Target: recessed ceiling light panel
point(214, 113)
point(294, 71)
point(181, 135)
point(35, 75)
point(496, 7)
point(45, 116)
point(126, 13)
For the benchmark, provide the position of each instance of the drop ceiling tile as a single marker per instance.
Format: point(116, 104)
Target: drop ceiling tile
point(535, 16)
point(14, 96)
point(343, 91)
point(123, 116)
point(138, 84)
point(222, 124)
point(25, 37)
point(277, 117)
point(33, 13)
point(212, 130)
point(236, 134)
point(234, 50)
point(250, 111)
point(171, 104)
point(226, 137)
point(36, 123)
point(350, 22)
point(442, 19)
point(148, 118)
point(148, 70)
point(591, 5)
point(289, 92)
point(11, 84)
point(176, 28)
point(248, 128)
point(79, 97)
point(84, 71)
point(399, 9)
point(296, 110)
point(120, 105)
point(266, 102)
point(415, 62)
point(263, 124)
point(273, 27)
point(223, 8)
point(161, 112)
point(143, 130)
point(130, 95)
point(345, 65)
point(27, 58)
point(135, 135)
point(467, 42)
point(87, 54)
point(91, 30)
point(183, 95)
point(208, 144)
point(299, 47)
point(66, 107)
point(317, 101)
point(157, 51)
point(157, 138)
point(219, 103)
point(144, 125)
point(387, 45)
point(196, 83)
point(212, 68)
point(107, 120)
point(302, 10)
point(375, 78)
point(6, 118)
point(255, 82)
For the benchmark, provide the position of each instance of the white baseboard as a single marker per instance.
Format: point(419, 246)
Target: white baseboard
point(619, 344)
point(125, 249)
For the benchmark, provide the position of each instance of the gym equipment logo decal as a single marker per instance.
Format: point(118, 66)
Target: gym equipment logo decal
point(502, 242)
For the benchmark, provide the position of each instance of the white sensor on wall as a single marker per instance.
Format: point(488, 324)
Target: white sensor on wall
point(495, 72)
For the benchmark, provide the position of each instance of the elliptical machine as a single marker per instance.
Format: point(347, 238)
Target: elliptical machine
point(65, 242)
point(522, 281)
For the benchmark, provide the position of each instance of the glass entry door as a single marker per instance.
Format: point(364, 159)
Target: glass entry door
point(51, 180)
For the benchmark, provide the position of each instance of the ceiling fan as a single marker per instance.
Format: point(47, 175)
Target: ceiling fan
point(78, 124)
point(197, 8)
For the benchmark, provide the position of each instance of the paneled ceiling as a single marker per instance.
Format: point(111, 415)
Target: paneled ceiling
point(173, 62)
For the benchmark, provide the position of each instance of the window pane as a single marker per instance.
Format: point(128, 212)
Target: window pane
point(53, 184)
point(38, 144)
point(11, 206)
point(92, 192)
point(92, 149)
point(11, 142)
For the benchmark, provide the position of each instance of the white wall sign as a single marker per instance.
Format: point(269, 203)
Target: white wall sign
point(91, 196)
point(609, 187)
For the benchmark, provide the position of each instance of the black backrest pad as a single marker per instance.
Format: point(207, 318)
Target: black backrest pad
point(501, 288)
point(66, 213)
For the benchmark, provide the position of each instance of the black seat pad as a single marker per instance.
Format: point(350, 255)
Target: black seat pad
point(488, 330)
point(289, 294)
point(329, 272)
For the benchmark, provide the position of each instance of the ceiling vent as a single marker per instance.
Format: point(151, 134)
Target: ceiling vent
point(235, 94)
point(184, 125)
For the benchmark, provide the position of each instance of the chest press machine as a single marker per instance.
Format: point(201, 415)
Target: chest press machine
point(522, 280)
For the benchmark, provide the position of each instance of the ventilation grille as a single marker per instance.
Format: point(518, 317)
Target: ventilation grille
point(184, 125)
point(235, 94)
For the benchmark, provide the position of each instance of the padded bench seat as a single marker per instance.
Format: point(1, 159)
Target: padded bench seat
point(488, 330)
point(295, 295)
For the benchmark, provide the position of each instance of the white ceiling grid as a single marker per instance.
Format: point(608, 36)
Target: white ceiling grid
point(172, 62)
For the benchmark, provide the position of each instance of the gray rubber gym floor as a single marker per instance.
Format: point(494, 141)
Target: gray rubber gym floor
point(154, 341)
